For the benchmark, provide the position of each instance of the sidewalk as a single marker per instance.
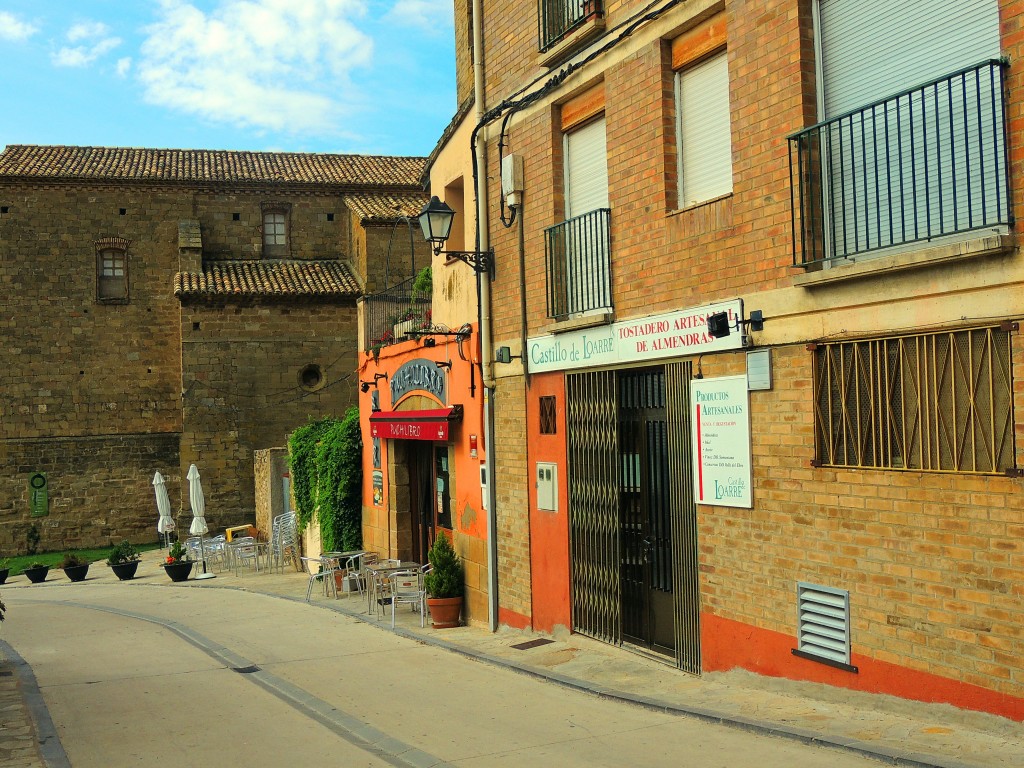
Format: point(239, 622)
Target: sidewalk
point(894, 730)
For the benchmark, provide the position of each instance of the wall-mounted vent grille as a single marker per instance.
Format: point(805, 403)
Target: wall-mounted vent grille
point(824, 618)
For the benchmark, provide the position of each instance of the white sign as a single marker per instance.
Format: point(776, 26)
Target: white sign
point(674, 334)
point(721, 441)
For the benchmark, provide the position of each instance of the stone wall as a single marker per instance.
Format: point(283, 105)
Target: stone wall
point(100, 490)
point(242, 379)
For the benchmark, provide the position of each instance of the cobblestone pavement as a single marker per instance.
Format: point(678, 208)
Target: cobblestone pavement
point(895, 731)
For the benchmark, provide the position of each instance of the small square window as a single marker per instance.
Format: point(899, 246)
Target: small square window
point(4, 209)
point(123, 211)
point(236, 216)
point(330, 217)
point(548, 415)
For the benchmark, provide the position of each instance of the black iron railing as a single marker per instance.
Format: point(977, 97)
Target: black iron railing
point(390, 314)
point(557, 18)
point(578, 256)
point(926, 163)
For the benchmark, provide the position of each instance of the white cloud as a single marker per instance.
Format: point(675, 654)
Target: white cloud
point(432, 16)
point(97, 42)
point(274, 64)
point(12, 28)
point(123, 65)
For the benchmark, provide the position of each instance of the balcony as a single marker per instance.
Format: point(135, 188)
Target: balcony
point(578, 257)
point(392, 313)
point(927, 163)
point(558, 19)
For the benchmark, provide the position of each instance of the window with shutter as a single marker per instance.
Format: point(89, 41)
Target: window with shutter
point(703, 127)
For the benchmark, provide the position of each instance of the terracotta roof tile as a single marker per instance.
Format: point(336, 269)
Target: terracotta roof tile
point(385, 207)
point(205, 165)
point(268, 278)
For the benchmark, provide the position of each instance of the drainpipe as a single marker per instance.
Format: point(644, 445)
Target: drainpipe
point(484, 298)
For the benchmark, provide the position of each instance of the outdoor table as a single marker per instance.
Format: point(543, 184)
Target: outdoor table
point(378, 569)
point(348, 557)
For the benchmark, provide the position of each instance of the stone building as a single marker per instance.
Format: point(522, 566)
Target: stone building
point(169, 307)
point(762, 297)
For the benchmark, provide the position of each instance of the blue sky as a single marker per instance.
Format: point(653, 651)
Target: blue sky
point(351, 76)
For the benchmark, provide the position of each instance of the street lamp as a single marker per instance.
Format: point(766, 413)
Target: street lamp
point(436, 222)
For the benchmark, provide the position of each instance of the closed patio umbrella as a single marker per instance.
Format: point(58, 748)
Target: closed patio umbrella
point(198, 527)
point(163, 505)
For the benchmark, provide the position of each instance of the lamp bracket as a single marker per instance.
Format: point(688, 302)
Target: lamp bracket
point(480, 261)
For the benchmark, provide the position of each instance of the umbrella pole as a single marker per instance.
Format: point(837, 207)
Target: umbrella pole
point(202, 557)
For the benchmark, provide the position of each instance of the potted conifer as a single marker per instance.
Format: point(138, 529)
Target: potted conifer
point(124, 560)
point(444, 584)
point(75, 568)
point(36, 572)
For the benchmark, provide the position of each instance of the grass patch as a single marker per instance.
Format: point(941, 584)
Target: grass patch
point(19, 563)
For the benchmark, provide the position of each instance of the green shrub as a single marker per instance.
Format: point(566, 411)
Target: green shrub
point(124, 552)
point(446, 579)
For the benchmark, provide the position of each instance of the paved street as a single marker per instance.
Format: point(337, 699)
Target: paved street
point(140, 675)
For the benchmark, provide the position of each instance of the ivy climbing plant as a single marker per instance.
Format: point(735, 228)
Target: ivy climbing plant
point(327, 476)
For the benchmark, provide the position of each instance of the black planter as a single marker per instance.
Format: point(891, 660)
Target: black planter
point(37, 575)
point(4, 573)
point(76, 572)
point(179, 571)
point(125, 571)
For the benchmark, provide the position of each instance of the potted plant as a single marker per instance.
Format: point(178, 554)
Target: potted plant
point(178, 566)
point(124, 560)
point(5, 569)
point(444, 584)
point(75, 568)
point(37, 572)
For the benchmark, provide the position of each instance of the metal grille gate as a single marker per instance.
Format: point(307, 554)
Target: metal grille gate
point(632, 518)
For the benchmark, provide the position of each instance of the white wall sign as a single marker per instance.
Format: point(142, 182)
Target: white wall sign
point(674, 334)
point(721, 441)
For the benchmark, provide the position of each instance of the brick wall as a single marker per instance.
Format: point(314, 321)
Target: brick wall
point(511, 477)
point(933, 562)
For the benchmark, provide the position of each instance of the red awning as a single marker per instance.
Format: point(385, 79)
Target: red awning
point(414, 425)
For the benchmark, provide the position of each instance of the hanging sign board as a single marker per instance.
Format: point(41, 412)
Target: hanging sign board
point(720, 411)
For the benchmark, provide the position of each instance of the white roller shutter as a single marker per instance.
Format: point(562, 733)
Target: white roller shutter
point(926, 165)
point(586, 169)
point(871, 49)
point(705, 141)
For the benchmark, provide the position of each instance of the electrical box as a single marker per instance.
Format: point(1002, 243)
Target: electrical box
point(547, 486)
point(512, 179)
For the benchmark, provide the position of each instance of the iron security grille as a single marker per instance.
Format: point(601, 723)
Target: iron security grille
point(928, 162)
point(824, 623)
point(593, 504)
point(938, 402)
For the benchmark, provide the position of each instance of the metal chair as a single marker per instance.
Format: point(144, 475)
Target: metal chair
point(325, 570)
point(407, 587)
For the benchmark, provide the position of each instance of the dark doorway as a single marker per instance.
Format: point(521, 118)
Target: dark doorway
point(420, 457)
point(645, 513)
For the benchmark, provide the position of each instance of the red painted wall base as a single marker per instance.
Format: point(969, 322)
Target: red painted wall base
point(512, 619)
point(727, 644)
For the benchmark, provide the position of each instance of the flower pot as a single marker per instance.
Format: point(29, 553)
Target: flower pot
point(4, 573)
point(76, 572)
point(180, 570)
point(37, 575)
point(444, 611)
point(125, 571)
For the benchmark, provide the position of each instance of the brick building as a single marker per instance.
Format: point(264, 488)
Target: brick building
point(768, 412)
point(166, 307)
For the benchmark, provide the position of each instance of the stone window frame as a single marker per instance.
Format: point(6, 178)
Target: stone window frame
point(276, 250)
point(112, 257)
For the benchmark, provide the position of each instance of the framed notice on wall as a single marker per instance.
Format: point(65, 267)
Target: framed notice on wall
point(720, 410)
